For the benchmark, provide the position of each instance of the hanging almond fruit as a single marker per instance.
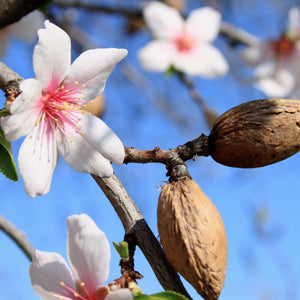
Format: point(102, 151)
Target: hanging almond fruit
point(256, 133)
point(193, 236)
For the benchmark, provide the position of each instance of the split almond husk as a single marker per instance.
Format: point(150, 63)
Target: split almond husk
point(256, 133)
point(193, 236)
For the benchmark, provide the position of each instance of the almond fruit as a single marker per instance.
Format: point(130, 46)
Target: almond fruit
point(256, 133)
point(193, 236)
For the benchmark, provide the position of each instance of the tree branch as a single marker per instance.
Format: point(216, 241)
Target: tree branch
point(134, 223)
point(17, 236)
point(12, 11)
point(7, 76)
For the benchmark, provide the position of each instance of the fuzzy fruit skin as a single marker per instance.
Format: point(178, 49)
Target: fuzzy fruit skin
point(193, 236)
point(256, 133)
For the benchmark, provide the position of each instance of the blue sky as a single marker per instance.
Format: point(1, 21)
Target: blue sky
point(259, 266)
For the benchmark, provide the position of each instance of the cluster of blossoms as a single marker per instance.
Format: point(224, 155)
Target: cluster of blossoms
point(89, 256)
point(278, 61)
point(183, 44)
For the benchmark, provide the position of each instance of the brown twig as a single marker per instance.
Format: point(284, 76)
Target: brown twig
point(8, 77)
point(17, 236)
point(190, 150)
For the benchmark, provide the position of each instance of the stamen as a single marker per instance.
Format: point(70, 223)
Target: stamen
point(76, 82)
point(83, 85)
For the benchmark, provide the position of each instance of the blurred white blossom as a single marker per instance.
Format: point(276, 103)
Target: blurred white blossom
point(89, 256)
point(278, 61)
point(183, 44)
point(25, 29)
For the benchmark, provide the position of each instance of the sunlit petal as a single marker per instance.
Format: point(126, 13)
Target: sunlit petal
point(88, 252)
point(81, 155)
point(164, 22)
point(204, 23)
point(46, 272)
point(91, 69)
point(37, 160)
point(52, 55)
point(98, 134)
point(206, 61)
point(157, 56)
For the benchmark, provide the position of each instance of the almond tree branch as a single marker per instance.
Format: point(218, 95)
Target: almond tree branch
point(134, 223)
point(17, 236)
point(190, 150)
point(7, 76)
point(12, 11)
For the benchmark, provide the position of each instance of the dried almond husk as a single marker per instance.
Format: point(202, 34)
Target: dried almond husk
point(193, 236)
point(256, 133)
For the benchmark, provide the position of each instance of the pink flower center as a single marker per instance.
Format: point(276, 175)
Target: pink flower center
point(184, 43)
point(60, 106)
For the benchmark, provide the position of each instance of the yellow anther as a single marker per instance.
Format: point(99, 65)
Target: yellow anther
point(56, 133)
point(83, 85)
point(82, 284)
point(52, 294)
point(62, 283)
point(76, 294)
point(82, 111)
point(89, 114)
point(77, 127)
point(56, 110)
point(79, 98)
point(67, 91)
point(62, 87)
point(80, 92)
point(71, 140)
point(62, 126)
point(76, 121)
point(76, 82)
point(81, 132)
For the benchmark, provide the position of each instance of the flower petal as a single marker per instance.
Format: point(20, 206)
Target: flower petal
point(81, 155)
point(157, 56)
point(46, 272)
point(206, 61)
point(204, 23)
point(91, 70)
point(24, 112)
point(255, 55)
point(51, 56)
point(88, 252)
point(98, 134)
point(273, 81)
point(37, 160)
point(164, 22)
point(123, 294)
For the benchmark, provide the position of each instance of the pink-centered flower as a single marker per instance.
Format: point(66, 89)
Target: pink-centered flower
point(49, 111)
point(278, 61)
point(183, 44)
point(89, 256)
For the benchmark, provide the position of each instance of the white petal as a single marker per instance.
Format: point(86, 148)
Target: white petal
point(92, 68)
point(98, 134)
point(157, 56)
point(27, 27)
point(123, 294)
point(294, 18)
point(46, 272)
point(37, 160)
point(274, 82)
point(88, 252)
point(24, 111)
point(204, 24)
point(51, 56)
point(164, 21)
point(206, 61)
point(81, 155)
point(255, 55)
